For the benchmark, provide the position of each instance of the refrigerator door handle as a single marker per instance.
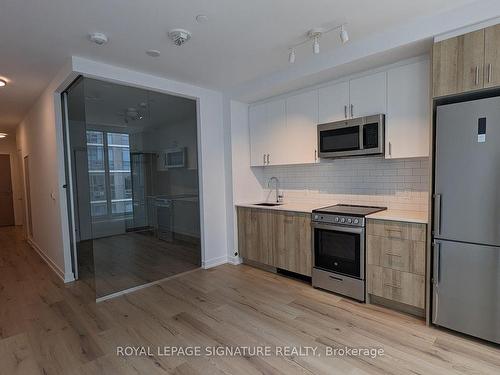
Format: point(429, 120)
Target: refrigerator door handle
point(437, 214)
point(437, 263)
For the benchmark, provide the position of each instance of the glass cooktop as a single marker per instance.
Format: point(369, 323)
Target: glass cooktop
point(348, 209)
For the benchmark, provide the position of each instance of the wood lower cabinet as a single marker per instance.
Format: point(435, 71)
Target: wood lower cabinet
point(279, 239)
point(395, 257)
point(292, 242)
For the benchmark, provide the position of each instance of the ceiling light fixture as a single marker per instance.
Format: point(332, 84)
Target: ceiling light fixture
point(344, 36)
point(201, 18)
point(98, 38)
point(314, 35)
point(3, 135)
point(316, 45)
point(3, 83)
point(153, 53)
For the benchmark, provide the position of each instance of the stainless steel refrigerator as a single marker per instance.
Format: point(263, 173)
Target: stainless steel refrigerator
point(466, 246)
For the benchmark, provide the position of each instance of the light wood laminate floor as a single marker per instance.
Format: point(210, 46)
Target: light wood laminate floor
point(47, 327)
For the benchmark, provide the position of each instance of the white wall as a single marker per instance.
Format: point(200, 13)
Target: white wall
point(245, 180)
point(8, 146)
point(40, 136)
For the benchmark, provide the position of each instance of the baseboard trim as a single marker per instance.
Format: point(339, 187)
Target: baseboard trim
point(139, 287)
point(214, 262)
point(47, 260)
point(235, 260)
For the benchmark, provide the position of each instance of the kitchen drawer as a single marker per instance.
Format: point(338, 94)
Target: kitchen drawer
point(396, 229)
point(403, 287)
point(395, 253)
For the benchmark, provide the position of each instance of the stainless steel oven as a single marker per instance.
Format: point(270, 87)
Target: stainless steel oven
point(339, 249)
point(354, 137)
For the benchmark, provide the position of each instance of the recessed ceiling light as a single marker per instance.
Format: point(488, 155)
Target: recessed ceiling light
point(153, 52)
point(3, 135)
point(201, 18)
point(98, 38)
point(3, 83)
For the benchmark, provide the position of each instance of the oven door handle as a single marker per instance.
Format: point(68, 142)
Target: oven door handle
point(338, 228)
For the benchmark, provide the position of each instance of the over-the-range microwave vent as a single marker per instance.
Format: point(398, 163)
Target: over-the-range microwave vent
point(361, 136)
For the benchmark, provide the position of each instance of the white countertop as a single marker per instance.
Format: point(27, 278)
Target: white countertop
point(398, 215)
point(394, 215)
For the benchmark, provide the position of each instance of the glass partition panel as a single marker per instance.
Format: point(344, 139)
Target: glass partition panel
point(137, 190)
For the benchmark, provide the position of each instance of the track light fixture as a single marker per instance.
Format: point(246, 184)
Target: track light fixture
point(314, 36)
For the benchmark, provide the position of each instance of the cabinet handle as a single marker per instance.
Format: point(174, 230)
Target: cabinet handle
point(476, 77)
point(264, 161)
point(352, 110)
point(393, 255)
point(390, 149)
point(345, 111)
point(393, 286)
point(315, 155)
point(488, 79)
point(267, 159)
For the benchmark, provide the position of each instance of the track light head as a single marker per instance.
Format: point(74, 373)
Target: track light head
point(344, 36)
point(316, 45)
point(291, 56)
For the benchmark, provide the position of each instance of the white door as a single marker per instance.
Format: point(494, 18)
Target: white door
point(368, 95)
point(301, 124)
point(275, 143)
point(408, 111)
point(333, 102)
point(257, 119)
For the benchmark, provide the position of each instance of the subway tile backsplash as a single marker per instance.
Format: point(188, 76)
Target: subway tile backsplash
point(401, 184)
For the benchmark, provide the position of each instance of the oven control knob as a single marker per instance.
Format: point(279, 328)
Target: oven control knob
point(316, 217)
point(342, 220)
point(335, 264)
point(349, 221)
point(356, 221)
point(336, 219)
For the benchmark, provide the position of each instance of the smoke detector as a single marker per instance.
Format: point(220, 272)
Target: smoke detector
point(98, 38)
point(179, 36)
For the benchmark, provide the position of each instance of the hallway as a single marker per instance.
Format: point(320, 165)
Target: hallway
point(47, 327)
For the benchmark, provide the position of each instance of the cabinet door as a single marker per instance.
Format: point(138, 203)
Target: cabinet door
point(255, 236)
point(368, 95)
point(257, 120)
point(275, 135)
point(407, 124)
point(333, 102)
point(471, 61)
point(445, 67)
point(292, 242)
point(301, 125)
point(492, 56)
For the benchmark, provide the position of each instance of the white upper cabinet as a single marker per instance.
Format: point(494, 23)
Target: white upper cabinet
point(267, 133)
point(408, 111)
point(277, 137)
point(257, 119)
point(284, 131)
point(301, 124)
point(368, 95)
point(333, 102)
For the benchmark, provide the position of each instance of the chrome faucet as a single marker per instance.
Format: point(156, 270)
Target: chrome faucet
point(279, 196)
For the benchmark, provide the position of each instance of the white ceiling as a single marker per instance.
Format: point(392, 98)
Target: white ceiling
point(241, 41)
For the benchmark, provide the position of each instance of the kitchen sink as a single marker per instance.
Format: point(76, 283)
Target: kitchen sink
point(268, 204)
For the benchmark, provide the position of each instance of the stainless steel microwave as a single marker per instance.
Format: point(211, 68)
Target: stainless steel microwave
point(354, 137)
